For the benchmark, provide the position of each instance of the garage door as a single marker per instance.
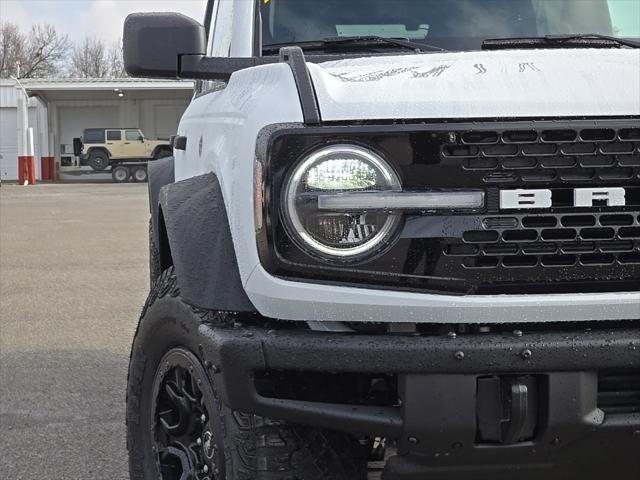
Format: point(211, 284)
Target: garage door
point(167, 118)
point(73, 120)
point(8, 144)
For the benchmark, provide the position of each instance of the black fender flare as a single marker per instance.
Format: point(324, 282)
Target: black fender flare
point(194, 220)
point(160, 173)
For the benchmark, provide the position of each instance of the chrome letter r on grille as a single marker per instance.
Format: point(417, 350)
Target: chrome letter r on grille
point(591, 197)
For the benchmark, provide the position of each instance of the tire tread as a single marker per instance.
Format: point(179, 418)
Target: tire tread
point(255, 447)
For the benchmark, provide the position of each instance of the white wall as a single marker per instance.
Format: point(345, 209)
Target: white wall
point(8, 143)
point(72, 120)
point(160, 118)
point(8, 93)
point(9, 117)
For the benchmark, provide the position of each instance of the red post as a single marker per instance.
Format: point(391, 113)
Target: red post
point(22, 170)
point(45, 174)
point(31, 168)
point(27, 170)
point(47, 170)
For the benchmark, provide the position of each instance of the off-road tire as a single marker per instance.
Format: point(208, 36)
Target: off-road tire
point(253, 447)
point(98, 160)
point(155, 266)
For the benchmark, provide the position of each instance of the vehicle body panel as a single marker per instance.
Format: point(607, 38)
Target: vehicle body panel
point(492, 84)
point(223, 127)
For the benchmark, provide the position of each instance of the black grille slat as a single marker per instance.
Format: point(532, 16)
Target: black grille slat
point(590, 240)
point(619, 393)
point(604, 154)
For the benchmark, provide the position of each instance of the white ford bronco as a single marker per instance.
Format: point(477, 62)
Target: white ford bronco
point(401, 235)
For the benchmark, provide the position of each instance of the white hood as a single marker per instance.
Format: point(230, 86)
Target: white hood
point(489, 84)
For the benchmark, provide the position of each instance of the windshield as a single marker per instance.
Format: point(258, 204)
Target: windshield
point(450, 24)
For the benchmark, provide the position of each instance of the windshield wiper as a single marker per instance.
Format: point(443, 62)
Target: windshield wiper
point(332, 43)
point(586, 40)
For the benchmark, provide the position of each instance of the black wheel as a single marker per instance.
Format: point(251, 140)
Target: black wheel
point(178, 428)
point(120, 174)
point(139, 174)
point(162, 154)
point(98, 160)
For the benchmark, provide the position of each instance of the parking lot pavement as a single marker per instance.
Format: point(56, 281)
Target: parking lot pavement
point(73, 277)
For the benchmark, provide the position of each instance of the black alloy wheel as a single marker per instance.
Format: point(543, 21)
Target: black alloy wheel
point(182, 433)
point(98, 161)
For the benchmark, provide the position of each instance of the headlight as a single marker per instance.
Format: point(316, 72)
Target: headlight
point(340, 234)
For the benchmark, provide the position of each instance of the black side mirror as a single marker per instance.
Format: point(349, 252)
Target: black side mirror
point(154, 42)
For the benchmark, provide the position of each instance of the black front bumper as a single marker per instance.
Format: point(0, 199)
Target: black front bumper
point(444, 410)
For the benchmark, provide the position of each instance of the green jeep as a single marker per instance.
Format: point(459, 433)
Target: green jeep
point(101, 147)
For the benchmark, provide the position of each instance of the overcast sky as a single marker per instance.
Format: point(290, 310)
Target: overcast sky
point(99, 18)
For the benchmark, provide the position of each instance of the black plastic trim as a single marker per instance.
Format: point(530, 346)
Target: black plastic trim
point(179, 142)
point(435, 424)
point(294, 57)
point(160, 173)
point(304, 350)
point(201, 246)
point(201, 67)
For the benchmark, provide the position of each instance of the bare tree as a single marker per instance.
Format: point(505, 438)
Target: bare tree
point(40, 53)
point(12, 49)
point(93, 58)
point(89, 59)
point(44, 52)
point(116, 60)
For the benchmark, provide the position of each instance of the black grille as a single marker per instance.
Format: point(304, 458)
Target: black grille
point(548, 249)
point(495, 250)
point(538, 157)
point(619, 393)
point(530, 241)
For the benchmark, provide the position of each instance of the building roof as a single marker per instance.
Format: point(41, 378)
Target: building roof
point(94, 88)
point(105, 84)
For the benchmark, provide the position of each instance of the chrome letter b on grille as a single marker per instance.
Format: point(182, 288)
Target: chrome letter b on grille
point(522, 199)
point(591, 197)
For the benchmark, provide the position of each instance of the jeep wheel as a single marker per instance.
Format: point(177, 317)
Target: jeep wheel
point(178, 428)
point(120, 174)
point(140, 174)
point(99, 161)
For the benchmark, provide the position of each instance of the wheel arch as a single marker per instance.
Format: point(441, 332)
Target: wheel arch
point(104, 150)
point(159, 148)
point(192, 234)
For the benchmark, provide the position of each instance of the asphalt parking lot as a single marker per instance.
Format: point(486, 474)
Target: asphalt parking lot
point(73, 277)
